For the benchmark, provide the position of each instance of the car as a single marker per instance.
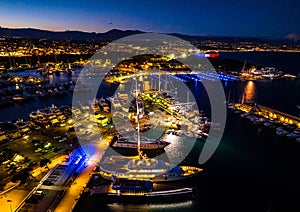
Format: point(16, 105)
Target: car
point(71, 129)
point(38, 192)
point(5, 162)
point(37, 127)
point(19, 169)
point(46, 182)
point(56, 149)
point(57, 137)
point(62, 139)
point(38, 150)
point(35, 142)
point(33, 163)
point(88, 132)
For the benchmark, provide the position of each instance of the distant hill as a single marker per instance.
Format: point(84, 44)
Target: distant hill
point(115, 34)
point(66, 35)
point(293, 36)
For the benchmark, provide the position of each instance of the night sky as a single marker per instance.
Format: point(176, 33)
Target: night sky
point(258, 18)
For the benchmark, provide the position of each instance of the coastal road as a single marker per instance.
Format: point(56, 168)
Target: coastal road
point(13, 198)
point(72, 195)
point(10, 200)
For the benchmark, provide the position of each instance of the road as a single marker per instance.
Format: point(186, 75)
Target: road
point(17, 194)
point(72, 195)
point(10, 200)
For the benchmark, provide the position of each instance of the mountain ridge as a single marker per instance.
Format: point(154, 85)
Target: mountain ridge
point(115, 34)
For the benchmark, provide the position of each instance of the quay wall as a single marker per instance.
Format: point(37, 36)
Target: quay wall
point(269, 113)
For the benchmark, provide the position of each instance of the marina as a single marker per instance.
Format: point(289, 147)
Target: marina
point(52, 117)
point(285, 124)
point(149, 106)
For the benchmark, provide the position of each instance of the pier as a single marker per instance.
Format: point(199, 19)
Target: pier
point(269, 113)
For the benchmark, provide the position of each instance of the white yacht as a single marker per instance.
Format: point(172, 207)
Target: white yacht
point(125, 143)
point(282, 132)
point(294, 134)
point(145, 169)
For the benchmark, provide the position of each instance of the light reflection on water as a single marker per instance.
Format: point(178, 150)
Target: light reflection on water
point(151, 207)
point(179, 147)
point(250, 92)
point(53, 78)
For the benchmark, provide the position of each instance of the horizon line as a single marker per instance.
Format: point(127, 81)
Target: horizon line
point(170, 33)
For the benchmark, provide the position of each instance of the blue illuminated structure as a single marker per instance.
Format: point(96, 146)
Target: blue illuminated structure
point(206, 76)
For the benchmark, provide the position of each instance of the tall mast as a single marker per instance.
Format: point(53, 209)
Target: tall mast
point(244, 66)
point(138, 116)
point(158, 82)
point(187, 97)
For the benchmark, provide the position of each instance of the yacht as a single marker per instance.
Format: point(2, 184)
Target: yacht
point(290, 76)
point(259, 120)
point(125, 143)
point(230, 106)
point(125, 190)
point(270, 73)
point(10, 129)
point(95, 106)
point(102, 102)
point(22, 126)
point(273, 123)
point(143, 168)
point(244, 115)
point(294, 134)
point(18, 98)
point(110, 99)
point(282, 132)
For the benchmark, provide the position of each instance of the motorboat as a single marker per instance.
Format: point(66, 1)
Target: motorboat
point(294, 134)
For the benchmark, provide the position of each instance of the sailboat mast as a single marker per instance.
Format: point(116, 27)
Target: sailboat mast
point(244, 66)
point(137, 115)
point(158, 82)
point(187, 97)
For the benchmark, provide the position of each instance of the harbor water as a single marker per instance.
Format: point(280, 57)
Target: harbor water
point(251, 170)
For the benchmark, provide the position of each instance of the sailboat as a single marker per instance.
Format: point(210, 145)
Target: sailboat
point(124, 143)
point(140, 167)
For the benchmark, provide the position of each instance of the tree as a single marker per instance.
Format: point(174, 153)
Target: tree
point(24, 175)
point(45, 162)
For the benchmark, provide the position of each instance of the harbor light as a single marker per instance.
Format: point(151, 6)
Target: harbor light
point(183, 55)
point(26, 137)
point(47, 145)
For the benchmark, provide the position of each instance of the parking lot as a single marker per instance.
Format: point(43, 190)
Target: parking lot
point(28, 150)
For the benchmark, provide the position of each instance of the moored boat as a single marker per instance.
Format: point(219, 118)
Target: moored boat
point(145, 169)
point(124, 143)
point(294, 134)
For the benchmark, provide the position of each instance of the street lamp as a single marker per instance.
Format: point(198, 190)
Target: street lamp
point(10, 201)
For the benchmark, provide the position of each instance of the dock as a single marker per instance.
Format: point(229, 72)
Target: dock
point(269, 113)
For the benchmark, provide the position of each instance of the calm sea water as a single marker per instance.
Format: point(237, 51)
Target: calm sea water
point(252, 169)
point(285, 61)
